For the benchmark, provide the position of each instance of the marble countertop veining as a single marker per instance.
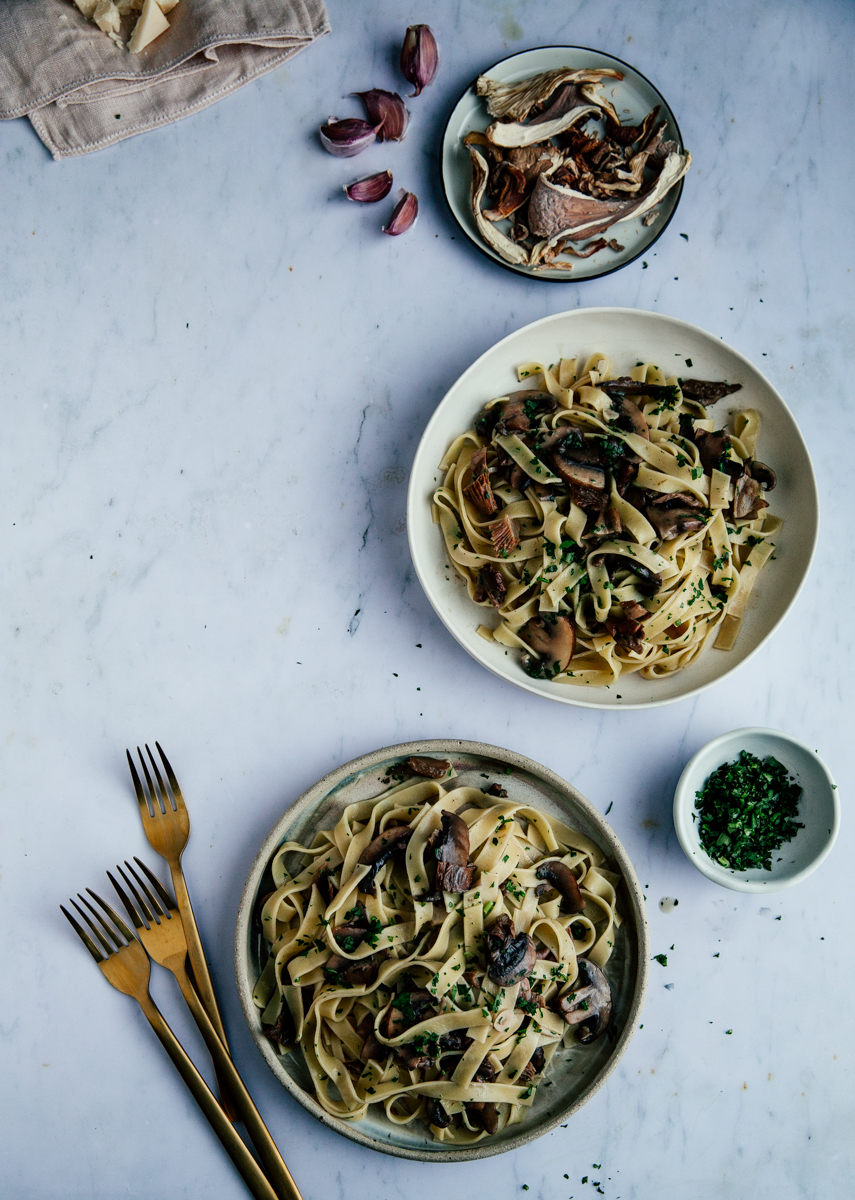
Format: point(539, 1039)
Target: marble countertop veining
point(214, 371)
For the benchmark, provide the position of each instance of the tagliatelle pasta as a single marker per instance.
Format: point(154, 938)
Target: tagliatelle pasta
point(608, 521)
point(432, 951)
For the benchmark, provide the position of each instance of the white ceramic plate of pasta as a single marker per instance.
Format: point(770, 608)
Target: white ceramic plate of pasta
point(318, 1005)
point(665, 580)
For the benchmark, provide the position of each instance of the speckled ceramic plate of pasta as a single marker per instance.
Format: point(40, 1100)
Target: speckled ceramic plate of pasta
point(441, 950)
point(612, 509)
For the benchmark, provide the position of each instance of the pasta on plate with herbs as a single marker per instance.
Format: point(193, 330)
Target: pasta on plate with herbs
point(432, 951)
point(610, 524)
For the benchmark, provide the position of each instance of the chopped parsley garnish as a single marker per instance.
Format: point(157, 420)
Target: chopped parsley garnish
point(662, 959)
point(748, 809)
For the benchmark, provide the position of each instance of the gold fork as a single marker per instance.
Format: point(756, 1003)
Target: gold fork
point(158, 926)
point(125, 965)
point(167, 826)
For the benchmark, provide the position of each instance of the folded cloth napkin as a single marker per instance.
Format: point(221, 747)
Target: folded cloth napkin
point(83, 92)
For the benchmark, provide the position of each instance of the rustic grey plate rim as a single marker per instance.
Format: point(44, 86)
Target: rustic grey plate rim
point(313, 795)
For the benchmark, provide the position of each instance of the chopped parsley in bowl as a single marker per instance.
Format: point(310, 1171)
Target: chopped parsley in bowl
point(756, 810)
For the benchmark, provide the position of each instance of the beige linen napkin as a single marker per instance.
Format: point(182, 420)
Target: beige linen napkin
point(82, 92)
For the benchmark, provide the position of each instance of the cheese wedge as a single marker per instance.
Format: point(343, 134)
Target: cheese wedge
point(107, 17)
point(151, 24)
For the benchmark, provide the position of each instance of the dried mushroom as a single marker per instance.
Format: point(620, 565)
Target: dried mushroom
point(557, 161)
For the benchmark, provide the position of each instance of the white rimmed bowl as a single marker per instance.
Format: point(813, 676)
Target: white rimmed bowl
point(574, 1077)
point(627, 335)
point(819, 809)
point(633, 96)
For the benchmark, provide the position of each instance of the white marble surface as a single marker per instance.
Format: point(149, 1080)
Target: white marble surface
point(214, 373)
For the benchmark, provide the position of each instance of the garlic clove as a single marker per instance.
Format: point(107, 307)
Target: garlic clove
point(419, 57)
point(403, 215)
point(387, 112)
point(370, 189)
point(348, 137)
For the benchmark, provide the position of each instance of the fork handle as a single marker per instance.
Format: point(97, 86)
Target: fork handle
point(201, 975)
point(274, 1165)
point(252, 1174)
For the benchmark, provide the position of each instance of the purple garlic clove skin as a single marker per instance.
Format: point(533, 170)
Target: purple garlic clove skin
point(387, 113)
point(370, 189)
point(404, 214)
point(419, 57)
point(346, 138)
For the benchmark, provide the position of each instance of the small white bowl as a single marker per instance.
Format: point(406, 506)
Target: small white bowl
point(819, 809)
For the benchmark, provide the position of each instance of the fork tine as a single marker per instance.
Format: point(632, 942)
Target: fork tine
point(129, 908)
point(138, 788)
point(170, 775)
point(114, 917)
point(156, 801)
point(155, 883)
point(154, 904)
point(162, 786)
point(84, 937)
point(109, 948)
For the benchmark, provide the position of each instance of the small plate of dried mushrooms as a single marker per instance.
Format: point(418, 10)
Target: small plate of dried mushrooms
point(563, 163)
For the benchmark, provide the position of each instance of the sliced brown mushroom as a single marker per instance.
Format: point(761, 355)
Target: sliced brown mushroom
point(282, 1031)
point(626, 632)
point(669, 522)
point(505, 535)
point(413, 1059)
point(673, 500)
point(514, 414)
point(584, 474)
point(552, 636)
point(349, 937)
point(431, 768)
point(455, 1041)
point(355, 972)
point(635, 612)
point(745, 496)
point(533, 1067)
point(406, 1009)
point(454, 872)
point(763, 474)
point(589, 499)
point(371, 1048)
point(625, 386)
point(322, 881)
point(588, 1004)
point(484, 1115)
point(478, 490)
point(559, 875)
point(648, 581)
point(705, 391)
point(630, 414)
point(436, 1114)
point(603, 526)
point(713, 448)
point(378, 853)
point(512, 960)
point(490, 585)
